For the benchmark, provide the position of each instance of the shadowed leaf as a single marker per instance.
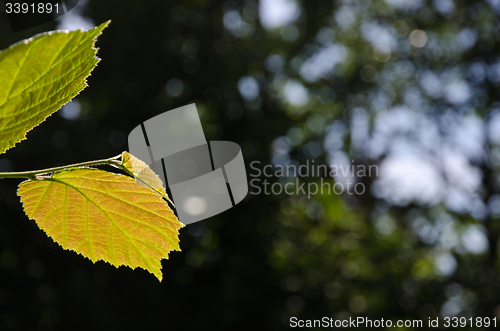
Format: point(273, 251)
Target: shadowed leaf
point(143, 173)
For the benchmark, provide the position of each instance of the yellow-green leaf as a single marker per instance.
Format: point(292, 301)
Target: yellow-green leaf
point(39, 75)
point(143, 173)
point(103, 216)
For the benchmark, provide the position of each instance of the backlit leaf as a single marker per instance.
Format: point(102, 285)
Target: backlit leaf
point(103, 216)
point(39, 75)
point(143, 173)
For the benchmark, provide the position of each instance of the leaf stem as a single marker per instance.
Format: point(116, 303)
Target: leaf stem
point(113, 161)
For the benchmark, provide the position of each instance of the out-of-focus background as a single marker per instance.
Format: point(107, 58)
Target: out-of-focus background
point(411, 86)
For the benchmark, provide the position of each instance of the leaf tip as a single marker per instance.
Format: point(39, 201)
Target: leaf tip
point(102, 26)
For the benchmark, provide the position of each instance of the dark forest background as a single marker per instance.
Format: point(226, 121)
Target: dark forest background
point(409, 86)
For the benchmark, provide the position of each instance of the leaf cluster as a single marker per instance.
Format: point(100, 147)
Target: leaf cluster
point(98, 214)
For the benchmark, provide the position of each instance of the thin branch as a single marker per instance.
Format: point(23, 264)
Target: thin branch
point(33, 174)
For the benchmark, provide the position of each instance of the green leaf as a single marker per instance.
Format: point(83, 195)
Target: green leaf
point(143, 174)
point(39, 75)
point(103, 216)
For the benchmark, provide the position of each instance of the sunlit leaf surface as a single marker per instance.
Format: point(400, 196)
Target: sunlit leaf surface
point(104, 216)
point(39, 75)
